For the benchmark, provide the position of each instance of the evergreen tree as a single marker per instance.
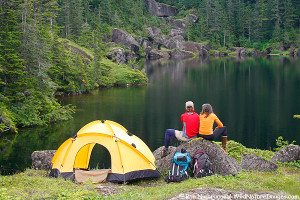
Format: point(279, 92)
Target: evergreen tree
point(13, 83)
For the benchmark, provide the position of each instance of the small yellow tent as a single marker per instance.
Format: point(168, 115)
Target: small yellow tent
point(131, 159)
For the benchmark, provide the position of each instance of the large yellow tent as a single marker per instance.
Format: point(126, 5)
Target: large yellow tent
point(131, 159)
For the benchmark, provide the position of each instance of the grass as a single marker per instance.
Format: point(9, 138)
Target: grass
point(34, 184)
point(250, 181)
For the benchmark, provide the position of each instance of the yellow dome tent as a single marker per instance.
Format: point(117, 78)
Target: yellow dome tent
point(131, 159)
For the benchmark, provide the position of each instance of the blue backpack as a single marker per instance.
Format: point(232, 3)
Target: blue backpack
point(179, 165)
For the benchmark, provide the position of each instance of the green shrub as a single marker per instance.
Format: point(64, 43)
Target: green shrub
point(7, 122)
point(237, 150)
point(281, 143)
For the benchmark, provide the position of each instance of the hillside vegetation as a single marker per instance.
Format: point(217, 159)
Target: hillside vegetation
point(55, 47)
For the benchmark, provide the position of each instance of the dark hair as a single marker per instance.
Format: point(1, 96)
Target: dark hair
point(207, 109)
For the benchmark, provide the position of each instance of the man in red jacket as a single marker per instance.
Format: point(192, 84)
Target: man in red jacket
point(190, 129)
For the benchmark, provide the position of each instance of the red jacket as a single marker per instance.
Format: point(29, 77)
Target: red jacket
point(190, 123)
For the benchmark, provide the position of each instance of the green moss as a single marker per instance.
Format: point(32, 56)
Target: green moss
point(121, 75)
point(70, 43)
point(237, 150)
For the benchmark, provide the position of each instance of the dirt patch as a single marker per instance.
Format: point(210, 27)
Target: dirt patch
point(216, 193)
point(107, 189)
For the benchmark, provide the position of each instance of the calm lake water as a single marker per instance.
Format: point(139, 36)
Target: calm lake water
point(255, 98)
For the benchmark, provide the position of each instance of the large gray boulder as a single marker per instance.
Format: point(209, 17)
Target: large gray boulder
point(181, 54)
point(160, 9)
point(42, 159)
point(178, 23)
point(178, 42)
point(145, 43)
point(174, 42)
point(117, 55)
point(253, 162)
point(287, 154)
point(122, 37)
point(192, 46)
point(204, 51)
point(155, 37)
point(221, 162)
point(240, 51)
point(153, 32)
point(155, 54)
point(174, 32)
point(184, 22)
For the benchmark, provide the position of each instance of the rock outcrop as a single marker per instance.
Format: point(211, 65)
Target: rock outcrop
point(42, 159)
point(117, 55)
point(204, 51)
point(155, 37)
point(253, 162)
point(287, 154)
point(120, 56)
point(175, 32)
point(155, 54)
point(181, 54)
point(174, 42)
point(191, 46)
point(221, 162)
point(153, 32)
point(183, 23)
point(160, 9)
point(239, 51)
point(122, 37)
point(178, 23)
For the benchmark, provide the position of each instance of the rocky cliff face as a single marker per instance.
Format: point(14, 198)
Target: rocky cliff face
point(160, 9)
point(122, 37)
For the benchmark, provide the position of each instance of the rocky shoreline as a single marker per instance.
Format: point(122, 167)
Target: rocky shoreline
point(174, 45)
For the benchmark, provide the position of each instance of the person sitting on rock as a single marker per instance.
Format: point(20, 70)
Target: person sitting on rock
point(207, 119)
point(190, 122)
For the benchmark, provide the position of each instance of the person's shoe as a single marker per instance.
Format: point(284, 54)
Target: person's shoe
point(164, 152)
point(224, 143)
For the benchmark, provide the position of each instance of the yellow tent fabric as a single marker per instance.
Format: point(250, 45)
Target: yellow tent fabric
point(131, 158)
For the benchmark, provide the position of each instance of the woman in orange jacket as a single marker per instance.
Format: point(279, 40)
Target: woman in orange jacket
point(207, 119)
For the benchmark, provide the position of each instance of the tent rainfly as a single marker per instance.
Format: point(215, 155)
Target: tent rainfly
point(131, 159)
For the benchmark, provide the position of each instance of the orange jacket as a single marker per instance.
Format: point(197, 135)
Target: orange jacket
point(206, 123)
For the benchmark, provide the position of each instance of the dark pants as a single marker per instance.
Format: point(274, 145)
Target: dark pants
point(216, 134)
point(169, 135)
